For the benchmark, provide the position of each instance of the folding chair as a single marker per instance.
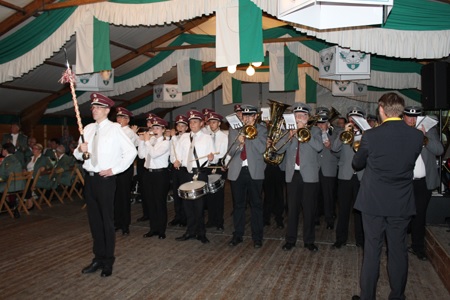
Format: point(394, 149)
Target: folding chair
point(78, 180)
point(57, 174)
point(41, 188)
point(17, 185)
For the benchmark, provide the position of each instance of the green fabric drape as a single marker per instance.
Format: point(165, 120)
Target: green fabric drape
point(419, 15)
point(32, 34)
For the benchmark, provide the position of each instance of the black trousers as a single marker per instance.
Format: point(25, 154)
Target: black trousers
point(122, 202)
point(99, 195)
point(301, 194)
point(242, 186)
point(215, 203)
point(156, 188)
point(177, 178)
point(422, 197)
point(377, 229)
point(274, 183)
point(194, 209)
point(140, 177)
point(328, 188)
point(347, 192)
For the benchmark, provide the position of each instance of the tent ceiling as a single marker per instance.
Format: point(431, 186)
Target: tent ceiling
point(131, 46)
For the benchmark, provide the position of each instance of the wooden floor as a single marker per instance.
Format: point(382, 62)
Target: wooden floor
point(42, 256)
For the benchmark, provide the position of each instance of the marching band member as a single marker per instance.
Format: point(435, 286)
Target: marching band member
point(155, 149)
point(348, 184)
point(122, 203)
point(372, 120)
point(246, 175)
point(111, 153)
point(426, 179)
point(141, 170)
point(215, 202)
point(206, 112)
point(302, 178)
point(194, 150)
point(328, 161)
point(238, 111)
point(181, 126)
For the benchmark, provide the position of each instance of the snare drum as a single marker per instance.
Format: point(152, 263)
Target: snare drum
point(192, 190)
point(215, 183)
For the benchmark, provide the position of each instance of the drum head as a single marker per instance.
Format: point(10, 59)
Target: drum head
point(213, 178)
point(192, 190)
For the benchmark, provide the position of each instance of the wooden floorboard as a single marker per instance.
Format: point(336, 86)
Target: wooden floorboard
point(42, 256)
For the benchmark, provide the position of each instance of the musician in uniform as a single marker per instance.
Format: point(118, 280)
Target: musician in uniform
point(194, 151)
point(156, 150)
point(372, 120)
point(302, 178)
point(111, 153)
point(426, 179)
point(328, 161)
point(206, 112)
point(122, 200)
point(140, 170)
point(348, 183)
point(238, 111)
point(181, 124)
point(246, 175)
point(215, 201)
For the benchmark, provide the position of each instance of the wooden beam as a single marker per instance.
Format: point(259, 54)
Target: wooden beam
point(12, 87)
point(12, 6)
point(158, 41)
point(17, 18)
point(70, 3)
point(211, 45)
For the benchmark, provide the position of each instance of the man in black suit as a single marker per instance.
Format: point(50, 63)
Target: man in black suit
point(386, 196)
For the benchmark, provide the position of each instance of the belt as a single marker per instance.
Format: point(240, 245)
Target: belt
point(92, 174)
point(421, 178)
point(156, 170)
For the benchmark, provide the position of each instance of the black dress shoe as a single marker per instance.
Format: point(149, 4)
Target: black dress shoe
point(203, 239)
point(338, 245)
point(126, 231)
point(185, 237)
point(257, 244)
point(150, 234)
point(182, 224)
point(142, 219)
point(359, 245)
point(174, 222)
point(235, 240)
point(311, 247)
point(162, 236)
point(420, 254)
point(356, 297)
point(220, 228)
point(266, 223)
point(94, 266)
point(106, 271)
point(330, 226)
point(288, 246)
point(209, 225)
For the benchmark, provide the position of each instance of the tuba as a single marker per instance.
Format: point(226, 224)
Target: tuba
point(274, 132)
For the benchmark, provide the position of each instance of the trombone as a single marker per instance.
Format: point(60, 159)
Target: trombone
point(250, 132)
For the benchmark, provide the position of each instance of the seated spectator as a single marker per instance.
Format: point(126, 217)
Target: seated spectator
point(64, 162)
point(50, 152)
point(38, 162)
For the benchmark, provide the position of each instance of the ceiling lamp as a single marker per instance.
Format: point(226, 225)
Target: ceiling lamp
point(257, 64)
point(231, 69)
point(250, 70)
point(327, 14)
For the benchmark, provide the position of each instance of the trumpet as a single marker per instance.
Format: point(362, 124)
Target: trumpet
point(142, 130)
point(348, 135)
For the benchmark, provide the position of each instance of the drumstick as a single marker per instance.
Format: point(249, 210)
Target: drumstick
point(203, 156)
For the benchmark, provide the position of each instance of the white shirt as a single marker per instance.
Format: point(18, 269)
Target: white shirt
point(173, 145)
point(203, 146)
point(14, 138)
point(131, 134)
point(419, 168)
point(220, 141)
point(155, 151)
point(115, 150)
